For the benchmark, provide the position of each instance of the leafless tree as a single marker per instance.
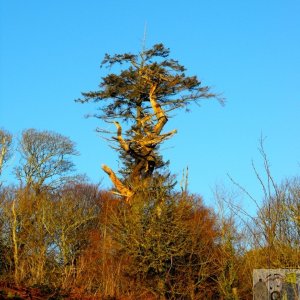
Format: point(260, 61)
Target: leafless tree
point(45, 159)
point(5, 148)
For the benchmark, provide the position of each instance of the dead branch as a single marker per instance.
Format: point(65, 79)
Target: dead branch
point(159, 112)
point(122, 189)
point(120, 139)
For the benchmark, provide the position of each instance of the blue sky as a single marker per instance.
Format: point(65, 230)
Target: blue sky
point(247, 50)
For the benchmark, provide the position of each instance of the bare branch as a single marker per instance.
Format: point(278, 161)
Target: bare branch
point(5, 147)
point(122, 142)
point(159, 112)
point(123, 190)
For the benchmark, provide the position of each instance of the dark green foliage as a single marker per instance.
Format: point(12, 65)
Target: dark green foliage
point(147, 86)
point(129, 89)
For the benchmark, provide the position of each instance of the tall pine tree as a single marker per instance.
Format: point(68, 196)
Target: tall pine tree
point(141, 95)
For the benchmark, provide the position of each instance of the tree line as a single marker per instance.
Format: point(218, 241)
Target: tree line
point(63, 237)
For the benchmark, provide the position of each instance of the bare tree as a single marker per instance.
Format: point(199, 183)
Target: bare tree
point(274, 231)
point(67, 219)
point(45, 159)
point(5, 148)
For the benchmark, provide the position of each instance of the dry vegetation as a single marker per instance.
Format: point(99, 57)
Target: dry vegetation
point(64, 238)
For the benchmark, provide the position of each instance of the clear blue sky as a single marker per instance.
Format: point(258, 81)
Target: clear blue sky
point(248, 50)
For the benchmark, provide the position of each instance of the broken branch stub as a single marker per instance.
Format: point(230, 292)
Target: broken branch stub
point(121, 188)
